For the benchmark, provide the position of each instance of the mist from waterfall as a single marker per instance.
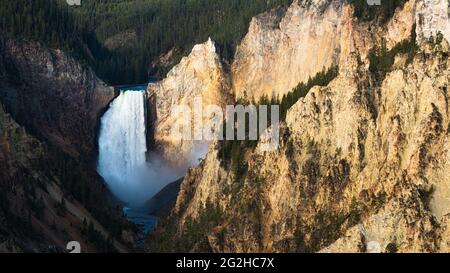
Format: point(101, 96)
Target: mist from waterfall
point(123, 149)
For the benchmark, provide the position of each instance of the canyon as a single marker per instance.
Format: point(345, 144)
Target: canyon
point(50, 194)
point(363, 162)
point(362, 165)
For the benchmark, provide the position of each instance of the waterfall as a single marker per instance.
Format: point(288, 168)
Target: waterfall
point(122, 148)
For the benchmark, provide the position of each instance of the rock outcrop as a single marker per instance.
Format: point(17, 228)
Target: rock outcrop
point(432, 17)
point(363, 163)
point(305, 39)
point(50, 194)
point(285, 47)
point(39, 210)
point(200, 75)
point(52, 95)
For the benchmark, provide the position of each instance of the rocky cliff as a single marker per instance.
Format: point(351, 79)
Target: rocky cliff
point(432, 17)
point(295, 44)
point(49, 192)
point(52, 95)
point(41, 203)
point(363, 163)
point(200, 75)
point(305, 39)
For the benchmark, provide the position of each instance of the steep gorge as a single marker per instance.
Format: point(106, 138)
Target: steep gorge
point(50, 106)
point(48, 198)
point(363, 163)
point(362, 166)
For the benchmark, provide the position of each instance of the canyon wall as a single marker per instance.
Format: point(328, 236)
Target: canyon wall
point(432, 17)
point(50, 194)
point(285, 47)
point(52, 95)
point(200, 75)
point(41, 203)
point(363, 162)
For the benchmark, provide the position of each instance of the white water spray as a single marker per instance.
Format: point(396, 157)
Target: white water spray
point(122, 147)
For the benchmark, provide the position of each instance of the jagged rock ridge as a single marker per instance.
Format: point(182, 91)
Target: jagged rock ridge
point(200, 75)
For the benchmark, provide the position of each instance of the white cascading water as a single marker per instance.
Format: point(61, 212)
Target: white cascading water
point(122, 148)
point(123, 152)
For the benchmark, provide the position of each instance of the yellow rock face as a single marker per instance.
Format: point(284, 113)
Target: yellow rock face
point(283, 48)
point(363, 163)
point(200, 75)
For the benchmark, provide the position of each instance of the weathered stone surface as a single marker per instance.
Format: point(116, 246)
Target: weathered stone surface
point(33, 215)
point(52, 95)
point(285, 47)
point(363, 163)
point(432, 17)
point(200, 75)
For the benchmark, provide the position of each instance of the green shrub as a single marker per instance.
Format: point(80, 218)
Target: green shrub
point(391, 248)
point(195, 230)
point(381, 59)
point(322, 78)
